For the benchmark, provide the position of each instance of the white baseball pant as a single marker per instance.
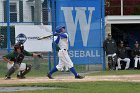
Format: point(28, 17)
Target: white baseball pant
point(21, 68)
point(137, 59)
point(127, 60)
point(64, 60)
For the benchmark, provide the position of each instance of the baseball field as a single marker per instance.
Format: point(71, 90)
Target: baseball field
point(122, 81)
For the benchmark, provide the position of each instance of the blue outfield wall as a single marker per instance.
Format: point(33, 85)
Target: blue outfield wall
point(84, 23)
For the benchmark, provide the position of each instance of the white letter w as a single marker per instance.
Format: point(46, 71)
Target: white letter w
point(72, 24)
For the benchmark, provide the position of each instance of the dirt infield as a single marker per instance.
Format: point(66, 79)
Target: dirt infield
point(122, 78)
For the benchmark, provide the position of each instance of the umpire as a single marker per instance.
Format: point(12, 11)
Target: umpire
point(110, 48)
point(15, 59)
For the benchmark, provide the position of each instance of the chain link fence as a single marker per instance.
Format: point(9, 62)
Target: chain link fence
point(22, 12)
point(26, 12)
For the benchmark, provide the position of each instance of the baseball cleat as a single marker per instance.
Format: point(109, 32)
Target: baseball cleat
point(7, 78)
point(21, 77)
point(79, 77)
point(49, 76)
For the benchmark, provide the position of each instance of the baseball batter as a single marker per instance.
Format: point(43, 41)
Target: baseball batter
point(64, 59)
point(14, 61)
point(57, 49)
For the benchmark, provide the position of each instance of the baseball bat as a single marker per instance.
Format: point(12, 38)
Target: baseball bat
point(44, 37)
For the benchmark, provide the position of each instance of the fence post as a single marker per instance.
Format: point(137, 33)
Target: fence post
point(49, 22)
point(103, 33)
point(8, 25)
point(53, 29)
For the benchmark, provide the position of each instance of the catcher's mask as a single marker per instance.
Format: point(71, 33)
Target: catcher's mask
point(21, 46)
point(18, 45)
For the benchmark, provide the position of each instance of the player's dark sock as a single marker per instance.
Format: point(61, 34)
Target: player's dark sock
point(53, 70)
point(73, 71)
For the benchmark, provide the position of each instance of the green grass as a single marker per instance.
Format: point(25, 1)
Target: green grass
point(83, 87)
point(87, 87)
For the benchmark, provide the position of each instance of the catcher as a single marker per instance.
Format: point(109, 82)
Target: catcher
point(14, 61)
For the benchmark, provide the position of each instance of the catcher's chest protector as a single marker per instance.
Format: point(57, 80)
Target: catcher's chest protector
point(19, 58)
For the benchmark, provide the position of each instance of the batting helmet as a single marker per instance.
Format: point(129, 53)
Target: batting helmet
point(58, 28)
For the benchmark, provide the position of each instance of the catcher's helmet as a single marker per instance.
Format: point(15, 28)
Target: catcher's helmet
point(18, 45)
point(58, 28)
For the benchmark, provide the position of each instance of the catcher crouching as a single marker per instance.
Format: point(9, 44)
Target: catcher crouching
point(14, 61)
